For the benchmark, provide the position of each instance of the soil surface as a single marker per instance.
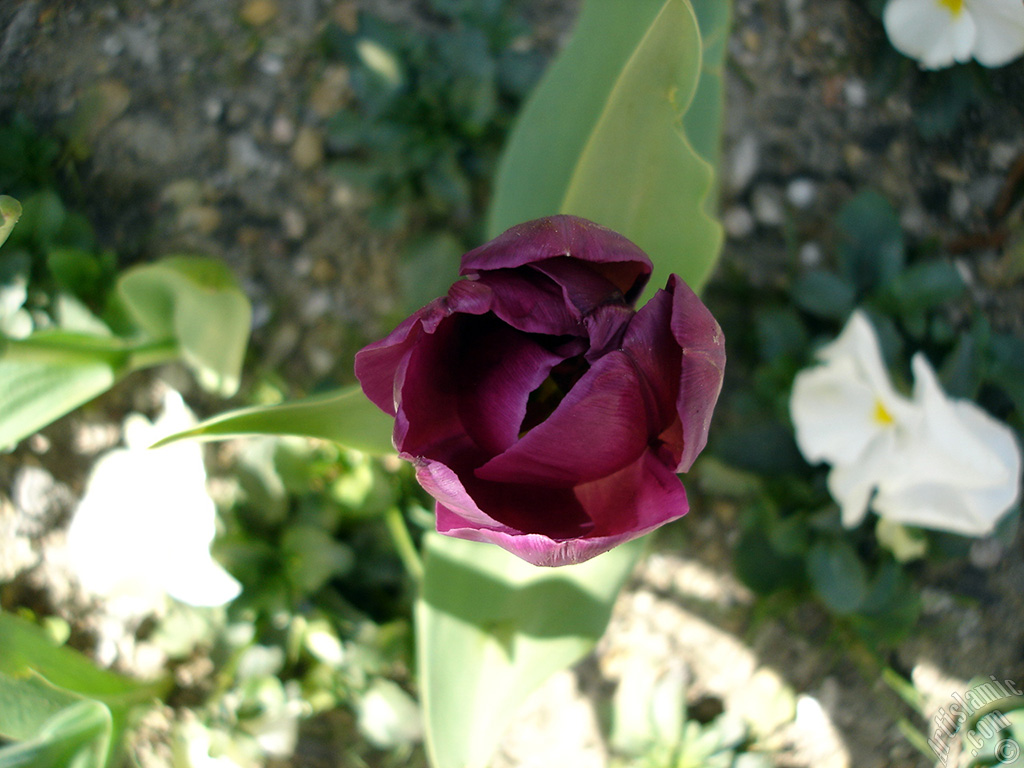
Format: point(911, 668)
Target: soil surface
point(205, 132)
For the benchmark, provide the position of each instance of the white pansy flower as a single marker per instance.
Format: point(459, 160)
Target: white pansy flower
point(928, 461)
point(939, 33)
point(143, 529)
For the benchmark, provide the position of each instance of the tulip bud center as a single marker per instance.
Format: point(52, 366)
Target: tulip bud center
point(545, 398)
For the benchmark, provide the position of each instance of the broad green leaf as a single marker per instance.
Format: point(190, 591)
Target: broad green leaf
point(602, 136)
point(26, 650)
point(79, 736)
point(37, 673)
point(50, 373)
point(196, 302)
point(660, 184)
point(490, 628)
point(26, 703)
point(344, 416)
point(871, 246)
point(838, 576)
point(35, 394)
point(10, 212)
point(556, 121)
point(703, 121)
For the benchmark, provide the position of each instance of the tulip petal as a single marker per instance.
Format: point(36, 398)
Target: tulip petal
point(616, 257)
point(600, 427)
point(495, 382)
point(530, 302)
point(583, 286)
point(376, 364)
point(627, 504)
point(703, 367)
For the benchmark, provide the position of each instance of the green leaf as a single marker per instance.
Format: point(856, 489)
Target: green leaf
point(344, 416)
point(10, 212)
point(925, 286)
point(703, 120)
point(52, 372)
point(490, 628)
point(601, 137)
point(196, 302)
point(26, 650)
point(823, 294)
point(37, 676)
point(26, 703)
point(35, 394)
point(661, 185)
point(79, 736)
point(871, 244)
point(838, 576)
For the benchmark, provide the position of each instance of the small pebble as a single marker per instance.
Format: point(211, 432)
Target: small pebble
point(767, 204)
point(259, 12)
point(282, 130)
point(855, 92)
point(801, 192)
point(745, 160)
point(738, 222)
point(810, 255)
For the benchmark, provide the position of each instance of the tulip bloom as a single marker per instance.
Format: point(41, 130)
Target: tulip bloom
point(940, 32)
point(541, 411)
point(926, 461)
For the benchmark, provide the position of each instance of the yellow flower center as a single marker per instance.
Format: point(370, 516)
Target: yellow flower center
point(955, 7)
point(882, 417)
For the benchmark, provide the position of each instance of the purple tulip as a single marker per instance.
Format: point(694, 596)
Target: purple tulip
point(541, 411)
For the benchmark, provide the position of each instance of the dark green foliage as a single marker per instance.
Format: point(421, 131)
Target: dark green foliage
point(792, 539)
point(432, 107)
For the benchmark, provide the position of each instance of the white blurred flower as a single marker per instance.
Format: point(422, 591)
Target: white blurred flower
point(278, 707)
point(388, 716)
point(193, 744)
point(940, 32)
point(143, 529)
point(928, 461)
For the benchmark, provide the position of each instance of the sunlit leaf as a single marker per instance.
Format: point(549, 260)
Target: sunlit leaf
point(76, 737)
point(490, 628)
point(196, 302)
point(37, 677)
point(344, 416)
point(602, 136)
point(10, 212)
point(26, 650)
point(26, 703)
point(660, 183)
point(52, 372)
point(35, 394)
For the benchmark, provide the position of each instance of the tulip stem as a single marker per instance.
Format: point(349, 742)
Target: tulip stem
point(403, 543)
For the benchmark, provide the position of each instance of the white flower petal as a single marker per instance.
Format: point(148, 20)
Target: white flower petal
point(832, 411)
point(839, 407)
point(1000, 36)
point(960, 470)
point(852, 484)
point(144, 526)
point(929, 31)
